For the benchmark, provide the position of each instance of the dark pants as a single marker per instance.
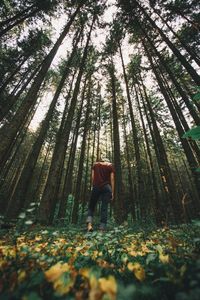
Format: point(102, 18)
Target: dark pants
point(105, 193)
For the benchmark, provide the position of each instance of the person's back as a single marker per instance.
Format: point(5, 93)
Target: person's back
point(103, 186)
point(102, 171)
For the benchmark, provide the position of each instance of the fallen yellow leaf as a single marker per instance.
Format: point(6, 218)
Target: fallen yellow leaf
point(95, 292)
point(164, 258)
point(56, 271)
point(84, 272)
point(38, 238)
point(137, 269)
point(93, 282)
point(95, 254)
point(109, 286)
point(63, 285)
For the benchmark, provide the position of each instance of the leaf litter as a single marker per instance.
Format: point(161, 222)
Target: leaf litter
point(121, 264)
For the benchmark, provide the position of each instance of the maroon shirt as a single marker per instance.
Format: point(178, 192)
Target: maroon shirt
point(102, 173)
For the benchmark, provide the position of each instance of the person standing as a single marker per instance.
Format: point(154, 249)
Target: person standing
point(103, 187)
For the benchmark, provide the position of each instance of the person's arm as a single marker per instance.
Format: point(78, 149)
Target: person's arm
point(112, 181)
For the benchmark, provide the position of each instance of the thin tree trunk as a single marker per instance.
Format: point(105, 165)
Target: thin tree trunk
point(135, 138)
point(17, 22)
point(12, 99)
point(119, 201)
point(82, 155)
point(98, 123)
point(36, 189)
point(18, 15)
point(188, 91)
point(173, 79)
point(173, 48)
point(192, 54)
point(130, 179)
point(158, 210)
point(11, 76)
point(85, 186)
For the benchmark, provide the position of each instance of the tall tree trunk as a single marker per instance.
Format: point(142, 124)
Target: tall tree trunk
point(9, 131)
point(85, 185)
point(98, 123)
point(68, 177)
point(186, 88)
point(130, 179)
point(190, 51)
point(82, 156)
point(16, 16)
point(93, 154)
point(119, 201)
point(39, 180)
point(47, 206)
point(17, 144)
point(158, 210)
point(173, 48)
point(139, 184)
point(19, 198)
point(13, 98)
point(173, 79)
point(191, 22)
point(180, 115)
point(17, 22)
point(190, 157)
point(170, 190)
point(9, 79)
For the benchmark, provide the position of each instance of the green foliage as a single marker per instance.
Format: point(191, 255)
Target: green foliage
point(193, 133)
point(196, 97)
point(121, 264)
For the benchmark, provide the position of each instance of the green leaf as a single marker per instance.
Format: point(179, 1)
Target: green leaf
point(36, 278)
point(150, 257)
point(193, 133)
point(197, 170)
point(197, 88)
point(22, 215)
point(196, 97)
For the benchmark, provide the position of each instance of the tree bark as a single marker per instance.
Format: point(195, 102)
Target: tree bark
point(47, 206)
point(9, 131)
point(173, 79)
point(172, 204)
point(69, 173)
point(82, 156)
point(139, 184)
point(119, 205)
point(188, 152)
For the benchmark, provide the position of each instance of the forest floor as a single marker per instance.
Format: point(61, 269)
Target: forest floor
point(123, 263)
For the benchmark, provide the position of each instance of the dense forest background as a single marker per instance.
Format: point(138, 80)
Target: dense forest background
point(84, 78)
